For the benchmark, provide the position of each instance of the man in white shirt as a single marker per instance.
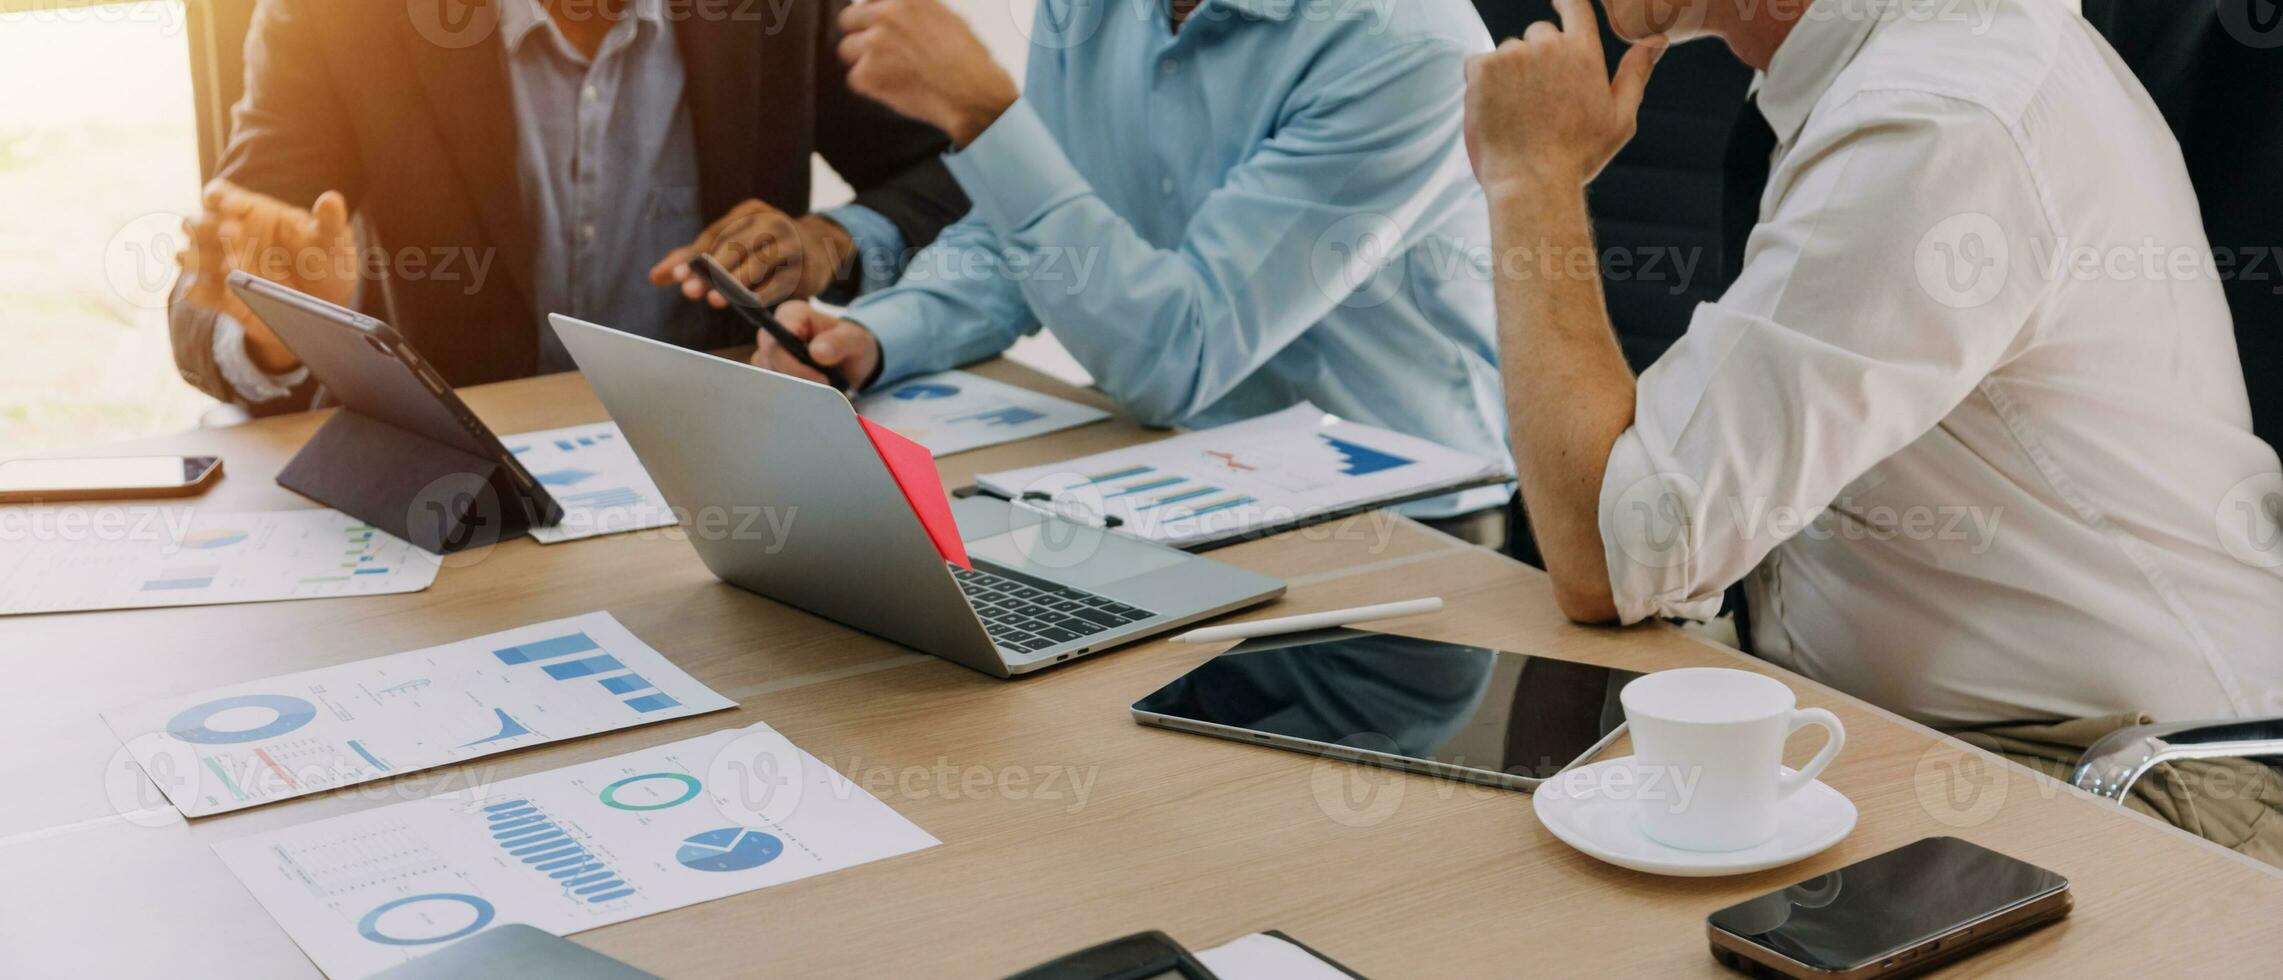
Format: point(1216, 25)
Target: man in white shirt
point(1970, 425)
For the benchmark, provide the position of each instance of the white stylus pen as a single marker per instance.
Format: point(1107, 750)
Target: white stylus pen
point(1311, 621)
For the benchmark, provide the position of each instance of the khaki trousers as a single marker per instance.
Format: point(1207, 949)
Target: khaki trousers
point(2236, 803)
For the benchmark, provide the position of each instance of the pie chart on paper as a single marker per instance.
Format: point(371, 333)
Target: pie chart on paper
point(729, 849)
point(925, 391)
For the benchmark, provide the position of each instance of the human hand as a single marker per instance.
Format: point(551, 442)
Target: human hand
point(1543, 110)
point(311, 250)
point(921, 59)
point(774, 254)
point(847, 347)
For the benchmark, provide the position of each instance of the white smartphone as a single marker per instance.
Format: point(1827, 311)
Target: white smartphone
point(27, 481)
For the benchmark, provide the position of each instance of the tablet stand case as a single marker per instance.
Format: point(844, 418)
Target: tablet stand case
point(441, 498)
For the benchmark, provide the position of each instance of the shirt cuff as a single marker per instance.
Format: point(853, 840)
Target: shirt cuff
point(879, 251)
point(898, 321)
point(1649, 536)
point(238, 368)
point(1015, 171)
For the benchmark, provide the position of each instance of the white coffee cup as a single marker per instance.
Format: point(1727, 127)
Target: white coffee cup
point(1708, 747)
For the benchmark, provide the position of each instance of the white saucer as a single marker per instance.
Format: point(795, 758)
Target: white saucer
point(1573, 806)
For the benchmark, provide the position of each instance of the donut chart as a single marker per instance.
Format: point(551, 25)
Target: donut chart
point(684, 789)
point(292, 713)
point(369, 926)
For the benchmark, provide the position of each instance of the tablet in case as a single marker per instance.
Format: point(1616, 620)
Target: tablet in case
point(402, 453)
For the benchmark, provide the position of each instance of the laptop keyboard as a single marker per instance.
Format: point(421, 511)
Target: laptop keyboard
point(1026, 614)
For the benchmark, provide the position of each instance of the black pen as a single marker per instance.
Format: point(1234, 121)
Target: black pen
point(751, 308)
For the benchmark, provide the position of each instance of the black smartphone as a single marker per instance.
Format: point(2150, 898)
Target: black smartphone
point(1141, 956)
point(1903, 912)
point(27, 481)
point(757, 313)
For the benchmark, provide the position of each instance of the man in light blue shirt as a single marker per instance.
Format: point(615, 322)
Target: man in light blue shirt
point(1221, 208)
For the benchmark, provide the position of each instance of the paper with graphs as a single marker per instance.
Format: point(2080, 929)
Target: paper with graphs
point(244, 745)
point(594, 474)
point(87, 558)
point(954, 411)
point(572, 849)
point(1272, 472)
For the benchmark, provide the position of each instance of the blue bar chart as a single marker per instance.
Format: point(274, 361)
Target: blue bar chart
point(592, 472)
point(541, 843)
point(317, 730)
point(564, 658)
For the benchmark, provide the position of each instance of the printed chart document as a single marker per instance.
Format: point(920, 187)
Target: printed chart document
point(955, 411)
point(593, 473)
point(249, 744)
point(1270, 473)
point(78, 559)
point(568, 850)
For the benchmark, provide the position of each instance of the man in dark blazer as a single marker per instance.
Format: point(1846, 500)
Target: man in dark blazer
point(462, 168)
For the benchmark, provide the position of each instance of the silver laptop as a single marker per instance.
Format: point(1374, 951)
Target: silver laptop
point(783, 495)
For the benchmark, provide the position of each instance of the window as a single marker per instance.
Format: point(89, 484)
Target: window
point(98, 168)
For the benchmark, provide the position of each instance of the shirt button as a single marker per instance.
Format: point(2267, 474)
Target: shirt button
point(593, 93)
point(1170, 67)
point(588, 231)
point(1165, 184)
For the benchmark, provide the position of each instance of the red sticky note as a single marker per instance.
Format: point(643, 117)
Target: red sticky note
point(914, 469)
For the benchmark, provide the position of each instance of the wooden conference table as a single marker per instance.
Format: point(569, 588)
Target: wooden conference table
point(1396, 875)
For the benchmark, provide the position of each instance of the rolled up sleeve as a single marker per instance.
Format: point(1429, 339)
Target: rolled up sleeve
point(1842, 343)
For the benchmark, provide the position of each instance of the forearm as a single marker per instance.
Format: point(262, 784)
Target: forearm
point(957, 306)
point(1569, 391)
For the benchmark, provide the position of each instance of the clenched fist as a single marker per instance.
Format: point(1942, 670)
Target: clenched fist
point(921, 59)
